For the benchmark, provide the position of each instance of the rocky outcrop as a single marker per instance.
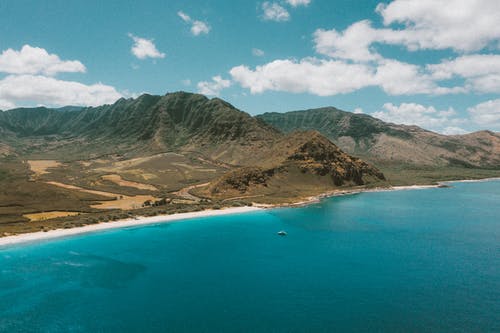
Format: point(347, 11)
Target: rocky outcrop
point(310, 153)
point(320, 156)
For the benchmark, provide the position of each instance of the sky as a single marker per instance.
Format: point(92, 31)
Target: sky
point(431, 63)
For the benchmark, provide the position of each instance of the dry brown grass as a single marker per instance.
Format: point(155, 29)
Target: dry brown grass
point(40, 167)
point(117, 179)
point(48, 215)
point(125, 202)
point(77, 188)
point(122, 201)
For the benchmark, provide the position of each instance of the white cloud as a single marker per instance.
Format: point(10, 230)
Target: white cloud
point(486, 114)
point(35, 90)
point(310, 75)
point(420, 115)
point(144, 48)
point(486, 83)
point(273, 11)
point(399, 78)
point(463, 26)
point(353, 61)
point(467, 66)
point(481, 71)
point(197, 27)
point(331, 77)
point(185, 17)
point(35, 60)
point(440, 24)
point(358, 110)
point(257, 52)
point(295, 3)
point(353, 43)
point(214, 87)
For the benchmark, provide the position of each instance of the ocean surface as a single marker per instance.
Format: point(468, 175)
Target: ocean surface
point(403, 261)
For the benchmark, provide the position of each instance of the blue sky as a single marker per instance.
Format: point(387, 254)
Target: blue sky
point(433, 63)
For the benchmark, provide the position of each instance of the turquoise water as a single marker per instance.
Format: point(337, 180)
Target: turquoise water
point(405, 261)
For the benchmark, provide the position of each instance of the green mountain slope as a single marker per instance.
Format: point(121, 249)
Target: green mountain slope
point(390, 144)
point(176, 121)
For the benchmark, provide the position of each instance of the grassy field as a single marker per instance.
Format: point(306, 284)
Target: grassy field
point(47, 194)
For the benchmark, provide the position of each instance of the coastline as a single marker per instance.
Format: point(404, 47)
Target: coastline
point(132, 222)
point(32, 237)
point(470, 180)
point(338, 193)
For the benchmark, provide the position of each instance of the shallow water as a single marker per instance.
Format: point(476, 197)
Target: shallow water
point(404, 261)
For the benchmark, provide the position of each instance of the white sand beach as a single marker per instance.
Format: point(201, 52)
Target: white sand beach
point(132, 222)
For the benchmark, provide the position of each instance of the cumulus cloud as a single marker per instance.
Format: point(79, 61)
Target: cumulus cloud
point(37, 89)
point(197, 27)
point(354, 49)
point(399, 78)
point(273, 11)
point(467, 66)
point(144, 48)
point(486, 114)
point(257, 52)
point(30, 81)
point(463, 26)
point(441, 24)
point(331, 77)
point(353, 43)
point(424, 116)
point(310, 75)
point(36, 60)
point(295, 3)
point(358, 110)
point(481, 71)
point(214, 87)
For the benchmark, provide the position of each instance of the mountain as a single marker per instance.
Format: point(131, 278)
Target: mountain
point(300, 162)
point(176, 121)
point(390, 144)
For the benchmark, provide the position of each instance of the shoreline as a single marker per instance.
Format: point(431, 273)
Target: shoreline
point(339, 193)
point(470, 180)
point(33, 237)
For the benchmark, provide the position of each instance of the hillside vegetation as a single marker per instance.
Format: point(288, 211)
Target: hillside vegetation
point(183, 152)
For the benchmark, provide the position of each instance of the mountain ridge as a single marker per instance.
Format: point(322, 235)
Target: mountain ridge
point(387, 143)
point(192, 122)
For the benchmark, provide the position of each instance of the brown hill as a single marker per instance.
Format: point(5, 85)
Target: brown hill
point(301, 163)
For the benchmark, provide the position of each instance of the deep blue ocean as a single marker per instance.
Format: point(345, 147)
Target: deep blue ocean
point(403, 261)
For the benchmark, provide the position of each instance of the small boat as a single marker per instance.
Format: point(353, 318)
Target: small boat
point(282, 233)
